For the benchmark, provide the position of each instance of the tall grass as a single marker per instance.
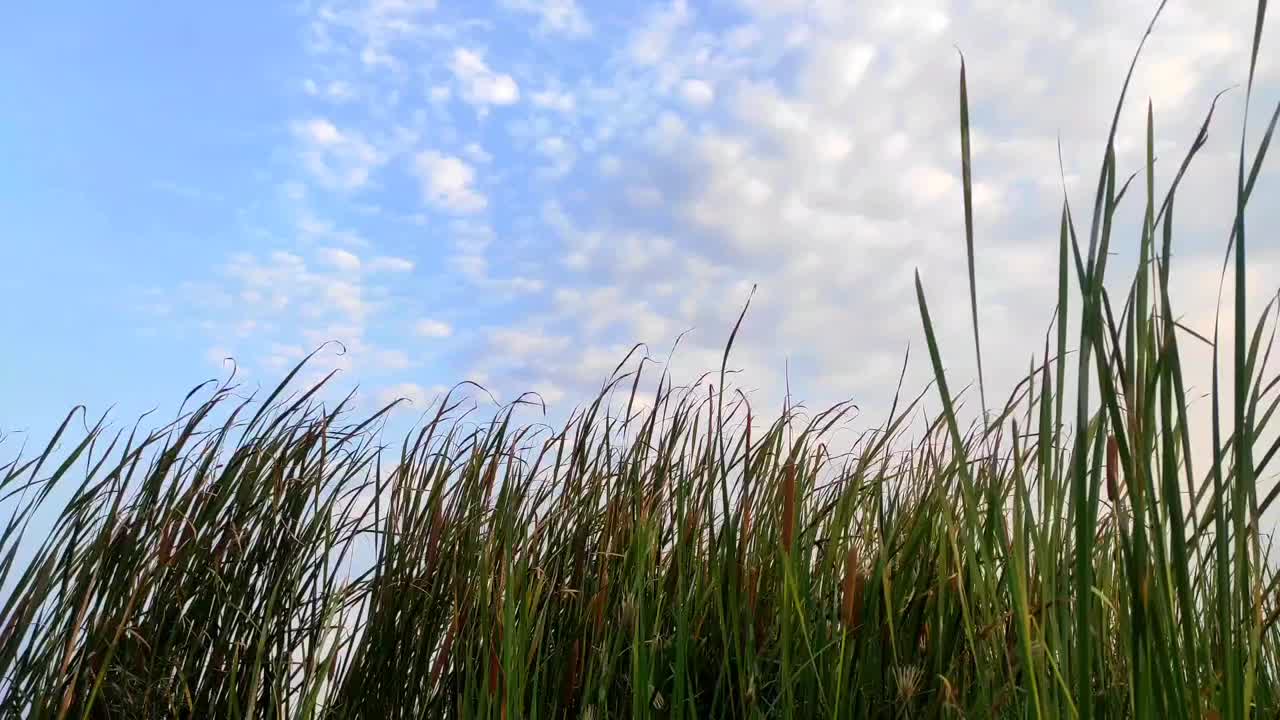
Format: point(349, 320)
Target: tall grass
point(272, 559)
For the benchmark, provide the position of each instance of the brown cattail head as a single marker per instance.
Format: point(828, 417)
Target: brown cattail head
point(691, 522)
point(854, 581)
point(597, 608)
point(788, 506)
point(433, 541)
point(165, 552)
point(489, 477)
point(494, 669)
point(745, 503)
point(1113, 469)
point(571, 673)
point(68, 698)
point(446, 647)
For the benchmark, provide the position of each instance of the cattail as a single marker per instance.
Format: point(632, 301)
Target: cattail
point(1113, 469)
point(68, 697)
point(691, 522)
point(188, 534)
point(165, 552)
point(851, 602)
point(493, 672)
point(490, 475)
point(788, 506)
point(746, 488)
point(628, 610)
point(596, 609)
point(433, 541)
point(77, 628)
point(442, 658)
point(571, 673)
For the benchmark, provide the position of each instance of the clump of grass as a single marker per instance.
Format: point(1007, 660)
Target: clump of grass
point(271, 559)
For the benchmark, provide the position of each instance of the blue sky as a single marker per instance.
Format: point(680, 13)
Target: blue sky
point(515, 192)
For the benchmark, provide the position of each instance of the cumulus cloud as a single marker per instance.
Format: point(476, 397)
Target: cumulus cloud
point(430, 328)
point(337, 91)
point(552, 99)
point(477, 153)
point(371, 30)
point(557, 16)
point(650, 43)
point(834, 176)
point(448, 182)
point(387, 263)
point(525, 343)
point(697, 93)
point(416, 395)
point(558, 153)
point(337, 159)
point(481, 86)
point(809, 148)
point(278, 306)
point(340, 259)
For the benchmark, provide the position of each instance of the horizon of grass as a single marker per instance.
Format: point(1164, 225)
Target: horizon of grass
point(259, 560)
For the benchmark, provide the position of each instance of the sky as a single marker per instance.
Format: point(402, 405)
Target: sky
point(516, 192)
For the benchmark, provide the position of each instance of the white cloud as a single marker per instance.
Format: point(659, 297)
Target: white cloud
point(557, 100)
point(286, 304)
point(610, 165)
point(340, 259)
point(346, 297)
point(417, 396)
point(697, 93)
point(644, 196)
point(218, 356)
point(524, 285)
point(561, 155)
point(471, 265)
point(391, 359)
point(558, 16)
point(480, 85)
point(386, 263)
point(828, 172)
point(650, 45)
point(836, 175)
point(440, 94)
point(281, 356)
point(449, 182)
point(520, 343)
point(477, 153)
point(429, 328)
point(550, 392)
point(375, 28)
point(336, 159)
point(336, 91)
